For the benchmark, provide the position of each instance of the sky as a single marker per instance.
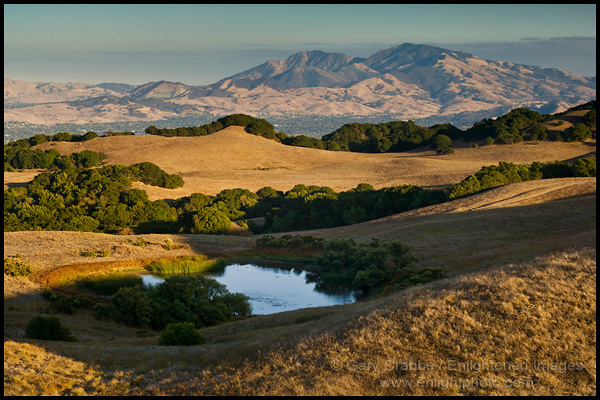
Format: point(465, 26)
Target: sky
point(204, 43)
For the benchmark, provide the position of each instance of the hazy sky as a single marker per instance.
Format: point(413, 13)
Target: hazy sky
point(201, 44)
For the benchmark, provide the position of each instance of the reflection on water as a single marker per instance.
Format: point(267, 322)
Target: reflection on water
point(271, 290)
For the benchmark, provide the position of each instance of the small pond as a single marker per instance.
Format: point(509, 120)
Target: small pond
point(271, 290)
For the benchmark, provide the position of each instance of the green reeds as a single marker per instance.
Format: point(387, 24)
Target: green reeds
point(185, 265)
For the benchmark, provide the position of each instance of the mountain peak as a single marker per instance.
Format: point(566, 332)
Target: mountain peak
point(160, 89)
point(304, 69)
point(319, 59)
point(410, 54)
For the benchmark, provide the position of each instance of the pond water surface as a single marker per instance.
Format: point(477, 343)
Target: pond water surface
point(271, 290)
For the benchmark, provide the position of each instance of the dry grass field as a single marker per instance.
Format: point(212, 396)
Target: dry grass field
point(515, 314)
point(233, 158)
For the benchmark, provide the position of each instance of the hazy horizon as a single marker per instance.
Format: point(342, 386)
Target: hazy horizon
point(202, 44)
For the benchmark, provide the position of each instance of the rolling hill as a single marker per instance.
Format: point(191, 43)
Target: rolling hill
point(233, 158)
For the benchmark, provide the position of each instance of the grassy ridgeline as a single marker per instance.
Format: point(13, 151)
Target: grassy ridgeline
point(186, 265)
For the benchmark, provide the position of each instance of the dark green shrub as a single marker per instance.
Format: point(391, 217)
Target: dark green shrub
point(442, 144)
point(48, 328)
point(89, 136)
point(578, 132)
point(195, 299)
point(131, 305)
point(62, 137)
point(88, 158)
point(590, 119)
point(584, 167)
point(210, 220)
point(180, 334)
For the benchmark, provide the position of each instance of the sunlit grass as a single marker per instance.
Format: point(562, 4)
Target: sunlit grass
point(185, 265)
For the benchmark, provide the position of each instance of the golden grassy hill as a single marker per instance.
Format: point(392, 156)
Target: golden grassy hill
point(520, 329)
point(233, 158)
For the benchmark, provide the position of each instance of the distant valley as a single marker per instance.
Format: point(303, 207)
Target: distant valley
point(311, 92)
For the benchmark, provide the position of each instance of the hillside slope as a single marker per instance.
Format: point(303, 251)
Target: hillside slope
point(501, 225)
point(499, 305)
point(521, 329)
point(233, 158)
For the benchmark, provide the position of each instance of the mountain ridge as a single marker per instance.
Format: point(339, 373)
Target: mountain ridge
point(409, 80)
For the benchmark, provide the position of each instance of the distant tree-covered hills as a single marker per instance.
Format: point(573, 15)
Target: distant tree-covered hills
point(516, 126)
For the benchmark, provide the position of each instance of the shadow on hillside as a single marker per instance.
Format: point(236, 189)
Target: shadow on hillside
point(591, 154)
point(570, 118)
point(13, 185)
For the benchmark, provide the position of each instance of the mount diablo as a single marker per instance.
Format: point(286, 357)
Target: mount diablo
point(410, 81)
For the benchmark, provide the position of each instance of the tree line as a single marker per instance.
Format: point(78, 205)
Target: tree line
point(101, 200)
point(396, 136)
point(64, 137)
point(506, 173)
point(25, 158)
point(95, 200)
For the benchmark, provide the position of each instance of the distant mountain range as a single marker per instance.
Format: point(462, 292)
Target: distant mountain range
point(410, 81)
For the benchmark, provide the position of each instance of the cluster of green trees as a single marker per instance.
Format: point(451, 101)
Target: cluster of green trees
point(518, 125)
point(580, 131)
point(176, 305)
point(66, 137)
point(97, 200)
point(346, 264)
point(58, 137)
point(365, 266)
point(506, 173)
point(101, 200)
point(255, 126)
point(112, 133)
point(302, 207)
point(397, 136)
point(392, 136)
point(25, 158)
point(314, 207)
point(523, 124)
point(190, 299)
